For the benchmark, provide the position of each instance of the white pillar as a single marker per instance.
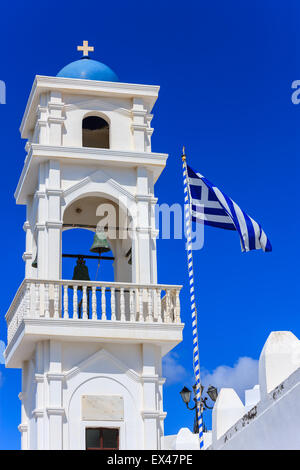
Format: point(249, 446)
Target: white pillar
point(55, 118)
point(39, 411)
point(54, 223)
point(279, 358)
point(23, 426)
point(150, 413)
point(139, 125)
point(143, 229)
point(55, 409)
point(227, 411)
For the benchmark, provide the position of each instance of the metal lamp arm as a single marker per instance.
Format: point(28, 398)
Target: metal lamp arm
point(194, 407)
point(206, 405)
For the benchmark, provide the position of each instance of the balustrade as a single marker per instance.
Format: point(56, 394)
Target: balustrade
point(94, 301)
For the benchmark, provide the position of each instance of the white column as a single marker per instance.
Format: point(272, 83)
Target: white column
point(150, 413)
point(23, 426)
point(54, 224)
point(40, 226)
point(55, 118)
point(39, 411)
point(139, 125)
point(27, 255)
point(55, 409)
point(41, 135)
point(154, 234)
point(143, 229)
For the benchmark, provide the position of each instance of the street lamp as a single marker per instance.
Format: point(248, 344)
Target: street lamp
point(185, 394)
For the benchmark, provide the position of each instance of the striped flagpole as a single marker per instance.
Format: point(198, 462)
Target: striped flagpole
point(196, 362)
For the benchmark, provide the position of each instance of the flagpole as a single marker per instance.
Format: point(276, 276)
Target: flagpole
point(196, 361)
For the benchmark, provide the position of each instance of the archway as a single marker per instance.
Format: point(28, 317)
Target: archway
point(95, 132)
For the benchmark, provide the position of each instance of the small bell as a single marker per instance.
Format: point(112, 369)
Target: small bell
point(81, 272)
point(34, 263)
point(100, 243)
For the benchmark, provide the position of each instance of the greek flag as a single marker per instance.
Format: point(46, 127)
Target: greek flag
point(209, 205)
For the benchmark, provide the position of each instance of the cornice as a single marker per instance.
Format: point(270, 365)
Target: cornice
point(149, 379)
point(56, 411)
point(139, 127)
point(55, 120)
point(40, 194)
point(40, 226)
point(54, 192)
point(44, 84)
point(93, 178)
point(150, 414)
point(39, 378)
point(54, 224)
point(38, 413)
point(55, 106)
point(56, 376)
point(27, 255)
point(42, 122)
point(103, 354)
point(23, 427)
point(146, 198)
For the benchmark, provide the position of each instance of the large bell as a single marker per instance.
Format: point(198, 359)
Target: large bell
point(81, 272)
point(100, 243)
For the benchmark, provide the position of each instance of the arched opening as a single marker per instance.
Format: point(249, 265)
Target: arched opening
point(95, 132)
point(78, 241)
point(96, 214)
point(97, 250)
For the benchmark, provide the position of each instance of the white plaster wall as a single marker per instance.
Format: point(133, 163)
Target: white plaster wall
point(59, 374)
point(109, 382)
point(115, 111)
point(272, 422)
point(272, 425)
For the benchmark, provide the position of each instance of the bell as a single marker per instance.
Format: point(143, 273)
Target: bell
point(34, 263)
point(100, 243)
point(81, 272)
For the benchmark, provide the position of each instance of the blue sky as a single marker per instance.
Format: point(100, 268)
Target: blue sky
point(225, 71)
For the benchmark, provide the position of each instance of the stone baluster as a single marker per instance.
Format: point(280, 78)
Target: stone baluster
point(132, 305)
point(66, 302)
point(159, 317)
point(168, 306)
point(84, 303)
point(27, 297)
point(113, 303)
point(122, 304)
point(56, 300)
point(103, 303)
point(149, 305)
point(177, 307)
point(37, 299)
point(94, 303)
point(141, 305)
point(75, 302)
point(46, 298)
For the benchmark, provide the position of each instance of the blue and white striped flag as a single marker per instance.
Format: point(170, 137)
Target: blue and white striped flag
point(209, 205)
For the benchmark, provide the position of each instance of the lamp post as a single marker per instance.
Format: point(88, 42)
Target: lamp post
point(212, 393)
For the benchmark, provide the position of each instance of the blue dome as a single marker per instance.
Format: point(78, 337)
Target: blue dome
point(88, 69)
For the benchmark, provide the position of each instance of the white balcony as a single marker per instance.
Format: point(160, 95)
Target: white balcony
point(91, 311)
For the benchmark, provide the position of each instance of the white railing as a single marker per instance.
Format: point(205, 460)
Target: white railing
point(98, 301)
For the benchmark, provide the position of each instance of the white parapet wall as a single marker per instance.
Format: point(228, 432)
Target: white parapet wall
point(270, 418)
point(186, 440)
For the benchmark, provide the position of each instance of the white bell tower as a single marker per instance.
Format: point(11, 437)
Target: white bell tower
point(91, 351)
